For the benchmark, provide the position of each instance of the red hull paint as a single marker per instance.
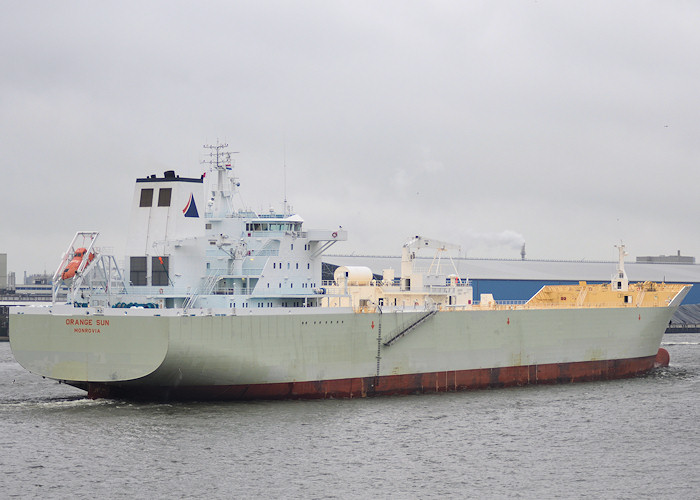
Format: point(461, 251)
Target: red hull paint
point(662, 358)
point(419, 383)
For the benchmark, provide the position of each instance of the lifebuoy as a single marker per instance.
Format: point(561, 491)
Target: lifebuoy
point(160, 291)
point(335, 234)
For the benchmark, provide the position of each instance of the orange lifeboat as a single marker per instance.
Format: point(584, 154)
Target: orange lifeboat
point(74, 264)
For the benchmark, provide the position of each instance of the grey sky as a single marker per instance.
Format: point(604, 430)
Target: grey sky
point(570, 125)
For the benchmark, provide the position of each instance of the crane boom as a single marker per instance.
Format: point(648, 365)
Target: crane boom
point(420, 242)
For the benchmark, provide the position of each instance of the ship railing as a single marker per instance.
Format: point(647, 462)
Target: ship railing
point(509, 302)
point(265, 253)
point(226, 273)
point(165, 292)
point(518, 304)
point(499, 306)
point(232, 291)
point(265, 234)
point(445, 288)
point(463, 283)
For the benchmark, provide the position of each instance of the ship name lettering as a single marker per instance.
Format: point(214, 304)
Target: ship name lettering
point(86, 330)
point(81, 322)
point(86, 322)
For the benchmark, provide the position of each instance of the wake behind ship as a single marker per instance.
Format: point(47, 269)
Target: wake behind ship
point(216, 301)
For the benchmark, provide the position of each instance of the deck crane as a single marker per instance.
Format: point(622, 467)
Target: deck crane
point(408, 255)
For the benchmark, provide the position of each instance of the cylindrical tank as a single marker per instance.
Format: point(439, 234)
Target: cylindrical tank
point(353, 275)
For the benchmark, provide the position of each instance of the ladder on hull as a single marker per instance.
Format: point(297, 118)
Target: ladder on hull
point(410, 327)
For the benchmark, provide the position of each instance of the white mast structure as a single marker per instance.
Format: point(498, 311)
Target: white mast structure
point(619, 280)
point(220, 203)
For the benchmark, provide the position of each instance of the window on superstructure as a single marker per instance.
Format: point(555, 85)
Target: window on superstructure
point(164, 195)
point(137, 271)
point(146, 197)
point(159, 271)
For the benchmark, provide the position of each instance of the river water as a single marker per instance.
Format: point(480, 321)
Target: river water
point(633, 438)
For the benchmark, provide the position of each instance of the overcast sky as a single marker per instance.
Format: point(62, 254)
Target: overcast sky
point(566, 125)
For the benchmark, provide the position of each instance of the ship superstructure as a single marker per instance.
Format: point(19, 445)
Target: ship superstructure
point(217, 301)
point(189, 247)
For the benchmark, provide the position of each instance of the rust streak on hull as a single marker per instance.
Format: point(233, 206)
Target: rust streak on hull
point(418, 383)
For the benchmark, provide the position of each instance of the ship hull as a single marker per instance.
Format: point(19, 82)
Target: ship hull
point(331, 353)
point(389, 385)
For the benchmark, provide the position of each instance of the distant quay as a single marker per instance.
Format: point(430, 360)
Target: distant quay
point(683, 328)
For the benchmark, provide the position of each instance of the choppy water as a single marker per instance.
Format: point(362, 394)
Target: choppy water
point(632, 439)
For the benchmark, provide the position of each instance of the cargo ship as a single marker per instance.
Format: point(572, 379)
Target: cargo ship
point(215, 301)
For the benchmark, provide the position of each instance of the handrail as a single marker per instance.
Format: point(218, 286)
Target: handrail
point(463, 283)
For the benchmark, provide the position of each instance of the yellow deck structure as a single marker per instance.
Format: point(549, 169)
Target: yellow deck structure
point(646, 294)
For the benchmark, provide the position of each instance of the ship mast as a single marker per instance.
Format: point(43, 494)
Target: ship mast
point(619, 280)
point(220, 203)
